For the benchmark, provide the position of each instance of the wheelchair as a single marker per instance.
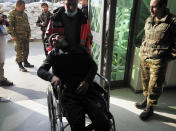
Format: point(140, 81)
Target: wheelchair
point(56, 112)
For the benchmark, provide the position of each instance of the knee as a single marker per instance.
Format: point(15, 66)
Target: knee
point(103, 125)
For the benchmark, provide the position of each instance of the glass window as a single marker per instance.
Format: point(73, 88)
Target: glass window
point(143, 13)
point(95, 15)
point(96, 52)
point(171, 5)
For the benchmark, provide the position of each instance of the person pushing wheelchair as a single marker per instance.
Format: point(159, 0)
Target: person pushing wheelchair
point(73, 67)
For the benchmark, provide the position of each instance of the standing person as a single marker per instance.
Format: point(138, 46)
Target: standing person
point(84, 7)
point(3, 33)
point(20, 31)
point(43, 21)
point(71, 21)
point(158, 47)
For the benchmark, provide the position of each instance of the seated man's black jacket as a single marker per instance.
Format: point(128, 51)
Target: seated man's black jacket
point(72, 66)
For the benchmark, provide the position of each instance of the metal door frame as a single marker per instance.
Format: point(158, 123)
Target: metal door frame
point(99, 38)
point(130, 49)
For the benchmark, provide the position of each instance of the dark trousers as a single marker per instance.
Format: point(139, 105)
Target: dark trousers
point(43, 41)
point(76, 107)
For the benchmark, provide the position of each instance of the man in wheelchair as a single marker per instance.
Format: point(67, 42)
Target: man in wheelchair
point(73, 67)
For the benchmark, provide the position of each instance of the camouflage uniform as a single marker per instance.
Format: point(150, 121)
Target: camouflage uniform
point(20, 28)
point(158, 47)
point(2, 56)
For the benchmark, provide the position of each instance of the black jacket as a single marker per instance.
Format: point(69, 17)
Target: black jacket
point(72, 66)
point(41, 19)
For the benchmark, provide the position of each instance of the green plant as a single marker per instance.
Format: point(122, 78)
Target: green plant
point(120, 43)
point(95, 52)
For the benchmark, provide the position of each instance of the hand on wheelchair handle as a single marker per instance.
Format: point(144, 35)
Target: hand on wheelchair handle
point(55, 81)
point(82, 88)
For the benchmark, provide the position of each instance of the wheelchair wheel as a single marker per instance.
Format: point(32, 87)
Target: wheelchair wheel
point(112, 124)
point(51, 111)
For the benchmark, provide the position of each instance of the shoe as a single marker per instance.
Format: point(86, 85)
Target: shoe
point(21, 67)
point(27, 64)
point(147, 113)
point(141, 105)
point(3, 99)
point(6, 82)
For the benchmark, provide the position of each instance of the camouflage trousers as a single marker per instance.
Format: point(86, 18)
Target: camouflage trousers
point(22, 49)
point(152, 76)
point(1, 72)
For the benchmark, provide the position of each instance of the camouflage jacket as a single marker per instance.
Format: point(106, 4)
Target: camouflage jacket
point(19, 25)
point(160, 38)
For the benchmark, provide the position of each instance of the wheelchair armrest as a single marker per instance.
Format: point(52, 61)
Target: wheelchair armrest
point(105, 87)
point(107, 84)
point(56, 91)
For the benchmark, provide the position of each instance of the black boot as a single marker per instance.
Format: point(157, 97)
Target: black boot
point(21, 68)
point(141, 105)
point(6, 82)
point(147, 113)
point(27, 64)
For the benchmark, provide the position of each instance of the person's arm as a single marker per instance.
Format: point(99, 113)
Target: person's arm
point(38, 23)
point(49, 29)
point(92, 70)
point(11, 27)
point(29, 28)
point(43, 71)
point(83, 86)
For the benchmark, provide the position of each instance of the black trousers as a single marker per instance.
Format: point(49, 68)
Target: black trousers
point(75, 108)
point(43, 41)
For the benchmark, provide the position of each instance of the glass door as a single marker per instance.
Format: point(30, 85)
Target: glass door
point(119, 44)
point(96, 18)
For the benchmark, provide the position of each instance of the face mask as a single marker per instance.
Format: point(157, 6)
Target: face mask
point(71, 14)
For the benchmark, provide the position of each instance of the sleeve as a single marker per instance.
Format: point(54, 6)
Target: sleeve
point(86, 36)
point(49, 29)
point(38, 22)
point(92, 70)
point(173, 48)
point(89, 37)
point(29, 28)
point(11, 27)
point(43, 71)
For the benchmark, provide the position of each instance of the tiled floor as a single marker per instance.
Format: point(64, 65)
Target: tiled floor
point(27, 110)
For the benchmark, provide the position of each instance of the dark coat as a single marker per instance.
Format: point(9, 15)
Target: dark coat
point(41, 19)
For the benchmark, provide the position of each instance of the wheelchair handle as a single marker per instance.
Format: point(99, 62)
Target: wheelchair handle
point(105, 79)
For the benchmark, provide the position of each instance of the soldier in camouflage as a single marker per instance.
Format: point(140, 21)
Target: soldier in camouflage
point(20, 31)
point(157, 49)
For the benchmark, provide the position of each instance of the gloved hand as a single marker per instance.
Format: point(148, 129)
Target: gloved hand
point(82, 88)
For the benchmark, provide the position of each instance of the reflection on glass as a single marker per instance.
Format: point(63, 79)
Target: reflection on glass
point(121, 34)
point(144, 12)
point(95, 15)
point(96, 52)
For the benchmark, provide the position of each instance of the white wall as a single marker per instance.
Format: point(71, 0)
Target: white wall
point(33, 10)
